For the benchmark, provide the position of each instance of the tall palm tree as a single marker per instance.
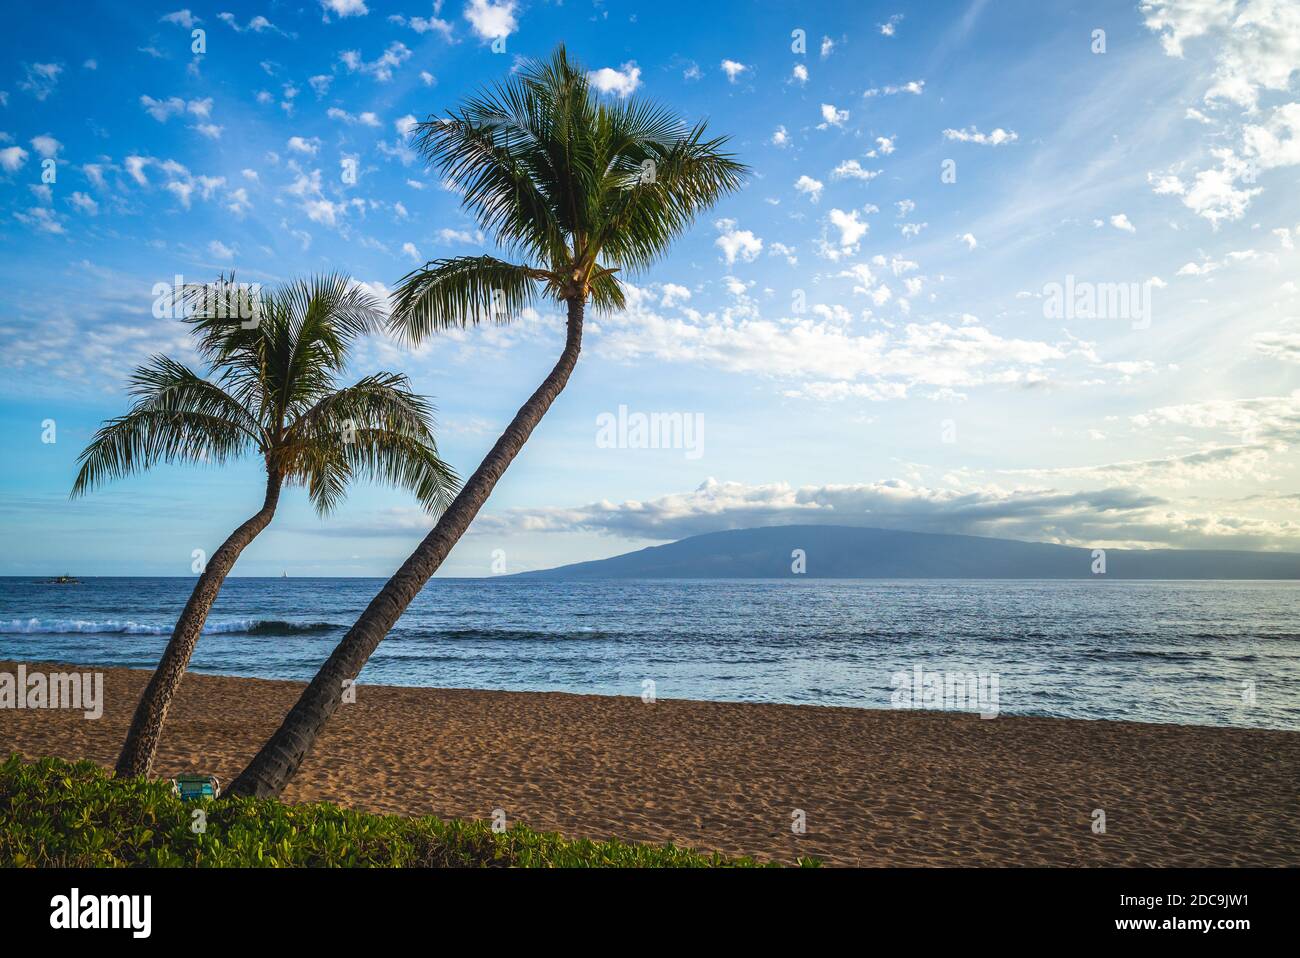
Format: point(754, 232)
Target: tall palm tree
point(582, 189)
point(273, 393)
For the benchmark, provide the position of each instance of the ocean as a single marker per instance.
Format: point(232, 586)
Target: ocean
point(1200, 653)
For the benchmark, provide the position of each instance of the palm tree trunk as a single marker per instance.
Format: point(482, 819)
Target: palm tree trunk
point(272, 767)
point(136, 758)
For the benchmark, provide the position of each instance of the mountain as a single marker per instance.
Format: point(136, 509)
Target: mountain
point(847, 552)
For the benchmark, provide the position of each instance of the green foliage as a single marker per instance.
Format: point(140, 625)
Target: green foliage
point(273, 392)
point(61, 814)
point(580, 187)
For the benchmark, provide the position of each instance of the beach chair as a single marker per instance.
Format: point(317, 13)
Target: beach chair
point(191, 787)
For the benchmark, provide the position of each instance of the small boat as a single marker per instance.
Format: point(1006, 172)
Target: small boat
point(63, 580)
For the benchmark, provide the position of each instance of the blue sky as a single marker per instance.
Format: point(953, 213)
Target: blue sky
point(872, 332)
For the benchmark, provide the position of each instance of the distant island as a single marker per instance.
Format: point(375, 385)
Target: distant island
point(848, 552)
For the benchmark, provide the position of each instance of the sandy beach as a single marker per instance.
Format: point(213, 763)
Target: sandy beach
point(877, 788)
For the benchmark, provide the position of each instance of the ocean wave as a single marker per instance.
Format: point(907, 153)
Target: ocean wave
point(127, 627)
point(427, 634)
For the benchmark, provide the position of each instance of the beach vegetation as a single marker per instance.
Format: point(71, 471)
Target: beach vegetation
point(62, 814)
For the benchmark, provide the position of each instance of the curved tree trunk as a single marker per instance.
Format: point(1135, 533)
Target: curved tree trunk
point(272, 767)
point(136, 758)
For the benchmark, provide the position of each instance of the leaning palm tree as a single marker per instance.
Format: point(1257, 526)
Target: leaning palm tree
point(580, 188)
point(272, 391)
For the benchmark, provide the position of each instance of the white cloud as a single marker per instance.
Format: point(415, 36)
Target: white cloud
point(780, 137)
point(239, 203)
point(40, 79)
point(851, 229)
point(799, 74)
point(135, 168)
point(344, 8)
point(427, 24)
point(915, 87)
point(365, 119)
point(787, 252)
point(852, 169)
point(972, 135)
point(164, 110)
point(405, 124)
point(1166, 184)
point(1178, 21)
point(382, 67)
point(1117, 514)
point(818, 356)
point(12, 158)
point(46, 144)
point(491, 21)
point(447, 235)
point(1121, 222)
point(321, 210)
point(298, 144)
point(832, 117)
point(255, 25)
point(41, 219)
point(1214, 194)
point(1282, 346)
point(84, 203)
point(737, 244)
point(674, 295)
point(733, 69)
point(969, 240)
point(622, 82)
point(220, 250)
point(1256, 46)
point(1275, 142)
point(182, 18)
point(810, 187)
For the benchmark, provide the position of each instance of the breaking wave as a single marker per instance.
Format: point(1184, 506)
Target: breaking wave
point(127, 627)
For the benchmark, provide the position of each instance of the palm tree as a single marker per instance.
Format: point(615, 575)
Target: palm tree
point(583, 189)
point(273, 392)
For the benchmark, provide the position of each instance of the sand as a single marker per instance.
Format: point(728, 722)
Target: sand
point(877, 788)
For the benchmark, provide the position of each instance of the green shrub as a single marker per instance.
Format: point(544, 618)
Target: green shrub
point(62, 814)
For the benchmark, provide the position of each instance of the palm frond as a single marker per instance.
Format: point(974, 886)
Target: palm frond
point(452, 293)
point(274, 391)
point(606, 290)
point(177, 417)
point(376, 429)
point(569, 180)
